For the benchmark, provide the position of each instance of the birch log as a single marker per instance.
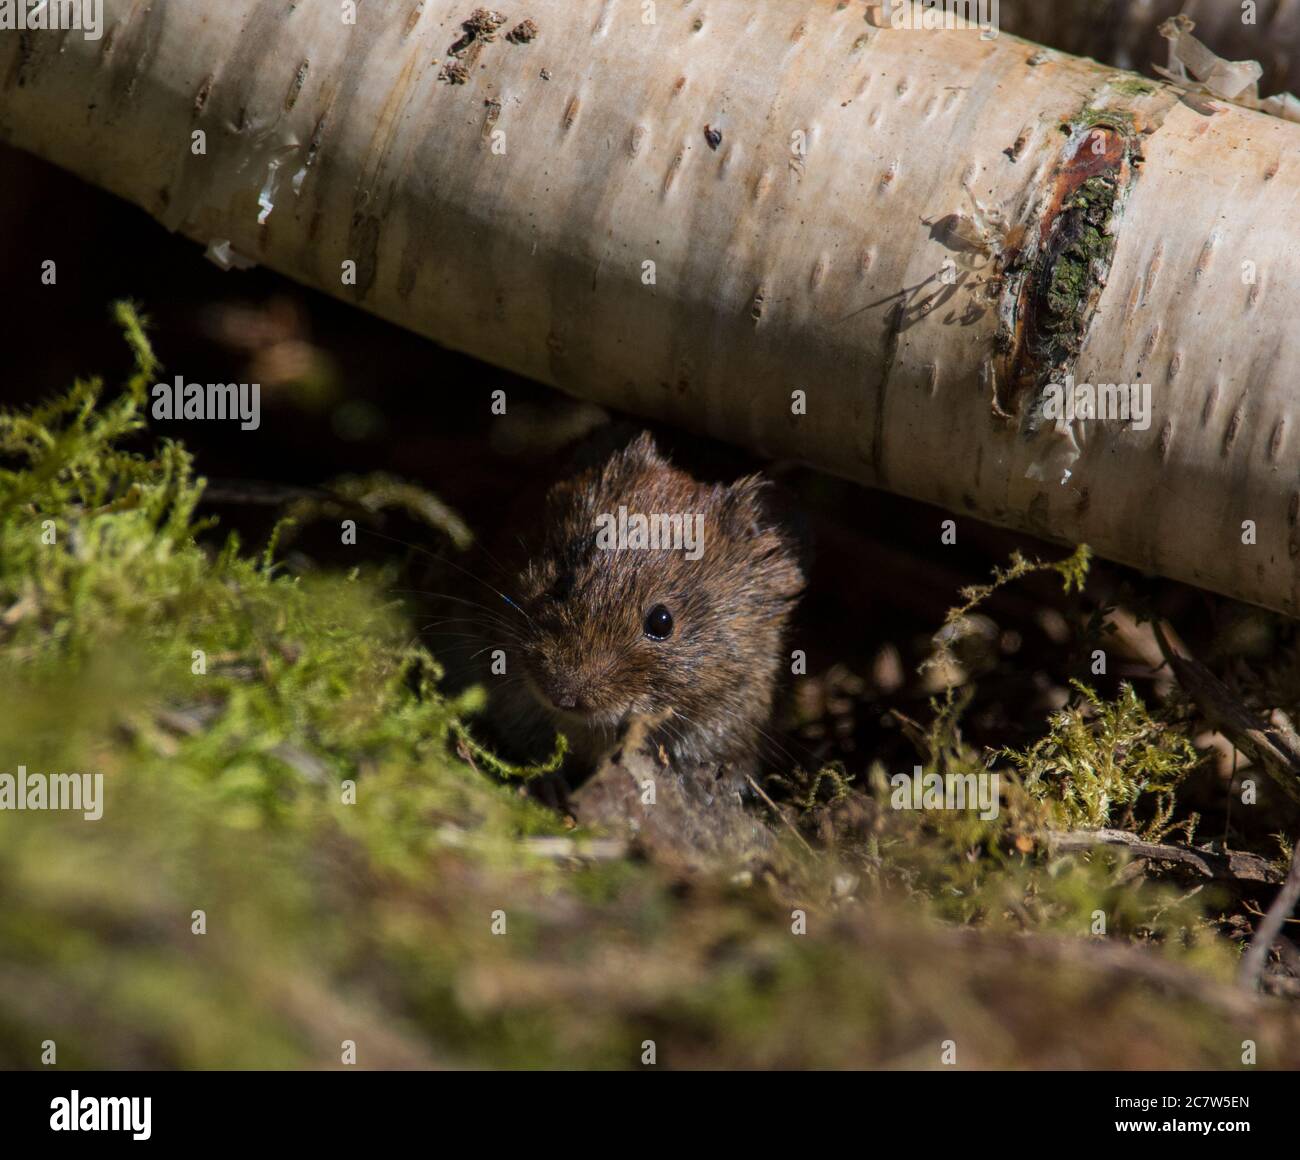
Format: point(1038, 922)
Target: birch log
point(869, 248)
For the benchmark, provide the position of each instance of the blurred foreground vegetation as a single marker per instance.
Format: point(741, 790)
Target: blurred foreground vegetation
point(307, 793)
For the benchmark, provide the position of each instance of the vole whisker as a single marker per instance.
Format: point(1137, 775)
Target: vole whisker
point(447, 596)
point(482, 626)
point(452, 563)
point(472, 636)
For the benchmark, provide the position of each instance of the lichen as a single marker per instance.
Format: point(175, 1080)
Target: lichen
point(1104, 117)
point(525, 32)
point(454, 72)
point(1133, 86)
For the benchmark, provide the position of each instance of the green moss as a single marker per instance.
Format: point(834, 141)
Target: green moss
point(1099, 758)
point(1094, 117)
point(1099, 763)
point(1132, 85)
point(224, 787)
point(1071, 268)
point(306, 794)
point(1073, 571)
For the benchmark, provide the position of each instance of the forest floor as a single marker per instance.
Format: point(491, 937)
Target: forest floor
point(299, 849)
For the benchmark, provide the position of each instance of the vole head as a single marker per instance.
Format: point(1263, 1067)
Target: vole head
point(660, 597)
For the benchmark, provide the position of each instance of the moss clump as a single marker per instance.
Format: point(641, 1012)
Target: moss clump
point(1100, 757)
point(993, 872)
point(1132, 85)
point(1099, 763)
point(1092, 117)
point(1078, 257)
point(234, 712)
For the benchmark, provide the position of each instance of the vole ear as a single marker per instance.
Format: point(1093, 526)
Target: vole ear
point(642, 452)
point(767, 515)
point(746, 508)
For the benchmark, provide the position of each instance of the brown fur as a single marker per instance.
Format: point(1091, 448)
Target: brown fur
point(707, 690)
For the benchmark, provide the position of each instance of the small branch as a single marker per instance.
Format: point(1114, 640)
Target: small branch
point(1274, 748)
point(758, 789)
point(1252, 965)
point(914, 733)
point(1228, 866)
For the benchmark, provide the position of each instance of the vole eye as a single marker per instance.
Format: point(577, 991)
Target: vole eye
point(659, 623)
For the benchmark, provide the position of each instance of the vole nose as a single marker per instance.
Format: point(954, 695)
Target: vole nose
point(563, 694)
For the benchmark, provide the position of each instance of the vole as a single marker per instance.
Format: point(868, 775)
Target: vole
point(658, 600)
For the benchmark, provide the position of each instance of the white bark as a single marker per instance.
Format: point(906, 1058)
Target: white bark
point(805, 252)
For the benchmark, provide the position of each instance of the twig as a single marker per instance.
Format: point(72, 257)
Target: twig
point(466, 755)
point(914, 733)
point(1274, 747)
point(758, 789)
point(1252, 964)
point(1228, 866)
